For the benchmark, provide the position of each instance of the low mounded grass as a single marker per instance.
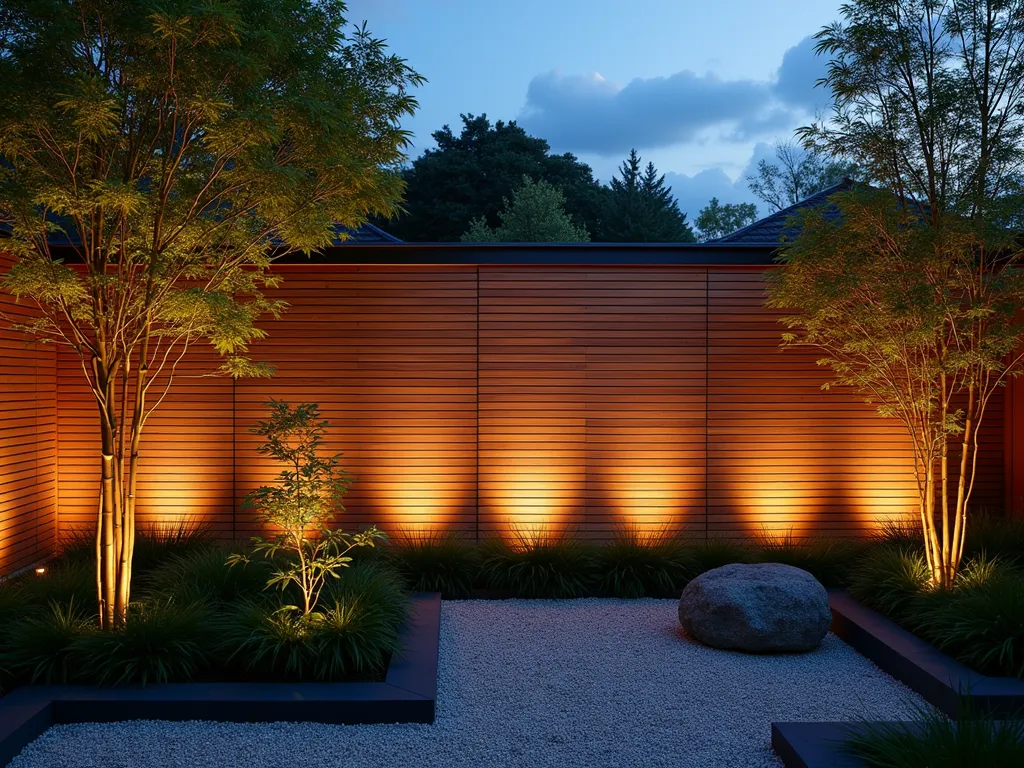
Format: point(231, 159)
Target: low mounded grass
point(161, 642)
point(66, 581)
point(444, 562)
point(829, 560)
point(716, 551)
point(40, 648)
point(641, 564)
point(197, 617)
point(202, 575)
point(980, 621)
point(997, 536)
point(937, 742)
point(889, 578)
point(540, 566)
point(153, 546)
point(194, 617)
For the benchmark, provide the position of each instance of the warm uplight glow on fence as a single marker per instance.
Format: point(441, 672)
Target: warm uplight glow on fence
point(413, 504)
point(520, 400)
point(531, 501)
point(651, 493)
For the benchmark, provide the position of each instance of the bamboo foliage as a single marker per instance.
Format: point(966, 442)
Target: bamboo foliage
point(153, 157)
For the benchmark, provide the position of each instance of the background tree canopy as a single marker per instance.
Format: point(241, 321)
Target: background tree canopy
point(641, 209)
point(469, 176)
point(534, 215)
point(717, 220)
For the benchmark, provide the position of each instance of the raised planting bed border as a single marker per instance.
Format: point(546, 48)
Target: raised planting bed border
point(815, 745)
point(939, 679)
point(407, 695)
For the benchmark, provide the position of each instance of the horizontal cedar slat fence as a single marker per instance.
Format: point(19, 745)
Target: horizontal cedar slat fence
point(28, 441)
point(491, 398)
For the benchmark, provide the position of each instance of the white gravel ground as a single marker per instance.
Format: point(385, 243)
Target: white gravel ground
point(538, 683)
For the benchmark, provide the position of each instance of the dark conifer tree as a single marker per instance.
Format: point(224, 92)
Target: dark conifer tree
point(641, 209)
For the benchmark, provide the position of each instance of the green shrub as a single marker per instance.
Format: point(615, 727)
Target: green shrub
point(545, 566)
point(353, 636)
point(890, 579)
point(444, 562)
point(205, 575)
point(716, 551)
point(160, 642)
point(829, 560)
point(937, 742)
point(637, 565)
point(41, 648)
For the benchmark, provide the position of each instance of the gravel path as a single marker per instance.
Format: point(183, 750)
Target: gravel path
point(538, 683)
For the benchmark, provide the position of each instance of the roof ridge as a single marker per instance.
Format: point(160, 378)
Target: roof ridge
point(783, 213)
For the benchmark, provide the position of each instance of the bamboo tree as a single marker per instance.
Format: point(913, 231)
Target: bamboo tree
point(154, 157)
point(913, 293)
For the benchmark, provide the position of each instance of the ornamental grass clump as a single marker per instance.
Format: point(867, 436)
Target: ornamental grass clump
point(307, 551)
point(65, 581)
point(716, 551)
point(981, 622)
point(889, 579)
point(354, 633)
point(161, 642)
point(41, 648)
point(436, 561)
point(203, 576)
point(829, 560)
point(542, 565)
point(935, 741)
point(642, 564)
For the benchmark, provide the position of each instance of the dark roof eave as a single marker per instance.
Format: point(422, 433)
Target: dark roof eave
point(640, 254)
point(581, 254)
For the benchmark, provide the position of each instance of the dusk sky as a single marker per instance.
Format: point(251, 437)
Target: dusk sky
point(702, 89)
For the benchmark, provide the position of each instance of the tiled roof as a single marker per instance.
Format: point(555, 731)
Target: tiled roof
point(367, 234)
point(772, 230)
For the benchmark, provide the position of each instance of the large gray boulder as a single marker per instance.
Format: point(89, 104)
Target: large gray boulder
point(759, 608)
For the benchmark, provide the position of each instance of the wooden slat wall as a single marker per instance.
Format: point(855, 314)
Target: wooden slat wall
point(389, 353)
point(186, 474)
point(28, 442)
point(591, 399)
point(490, 398)
point(785, 456)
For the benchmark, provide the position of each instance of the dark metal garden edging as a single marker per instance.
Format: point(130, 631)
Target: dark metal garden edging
point(407, 695)
point(815, 745)
point(938, 678)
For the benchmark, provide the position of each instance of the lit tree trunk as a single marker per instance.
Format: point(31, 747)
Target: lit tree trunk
point(960, 524)
point(115, 530)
